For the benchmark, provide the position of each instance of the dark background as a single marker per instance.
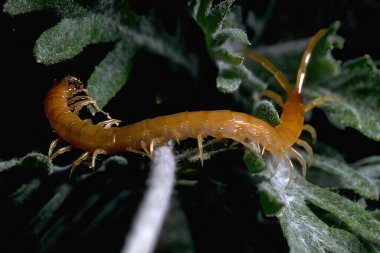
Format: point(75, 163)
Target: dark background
point(24, 84)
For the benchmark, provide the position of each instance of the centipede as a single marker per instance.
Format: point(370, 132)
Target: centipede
point(68, 96)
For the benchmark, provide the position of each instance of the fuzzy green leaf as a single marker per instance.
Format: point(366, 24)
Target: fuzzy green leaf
point(66, 8)
point(305, 232)
point(34, 160)
point(370, 168)
point(217, 24)
point(201, 9)
point(358, 86)
point(81, 27)
point(70, 36)
point(350, 178)
point(352, 214)
point(229, 78)
point(344, 226)
point(228, 57)
point(254, 161)
point(113, 70)
point(215, 17)
point(322, 62)
point(221, 36)
point(266, 111)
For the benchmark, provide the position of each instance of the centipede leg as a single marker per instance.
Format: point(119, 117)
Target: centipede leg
point(233, 144)
point(320, 100)
point(200, 147)
point(109, 123)
point(78, 90)
point(53, 144)
point(144, 147)
point(175, 135)
point(290, 165)
point(136, 151)
point(95, 105)
point(244, 143)
point(258, 148)
point(278, 159)
point(274, 96)
point(60, 152)
point(308, 128)
point(73, 100)
point(151, 146)
point(75, 108)
point(263, 151)
point(95, 154)
point(300, 159)
point(308, 149)
point(78, 161)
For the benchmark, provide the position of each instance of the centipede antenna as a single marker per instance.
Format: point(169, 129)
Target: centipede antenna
point(308, 128)
point(301, 75)
point(78, 161)
point(61, 151)
point(278, 75)
point(299, 157)
point(308, 149)
point(290, 165)
point(200, 147)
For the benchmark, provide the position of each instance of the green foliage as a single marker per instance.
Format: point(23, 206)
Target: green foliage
point(357, 85)
point(350, 177)
point(343, 226)
point(218, 28)
point(254, 162)
point(265, 110)
point(81, 27)
point(370, 168)
point(32, 160)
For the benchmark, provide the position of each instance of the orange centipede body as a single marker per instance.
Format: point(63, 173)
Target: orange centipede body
point(62, 105)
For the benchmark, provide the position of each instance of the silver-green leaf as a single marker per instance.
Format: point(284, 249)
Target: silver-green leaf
point(68, 38)
point(113, 70)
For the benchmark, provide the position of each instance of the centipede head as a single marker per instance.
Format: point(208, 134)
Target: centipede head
point(73, 82)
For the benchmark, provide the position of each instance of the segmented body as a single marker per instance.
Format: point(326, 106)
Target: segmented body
point(62, 105)
point(238, 126)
